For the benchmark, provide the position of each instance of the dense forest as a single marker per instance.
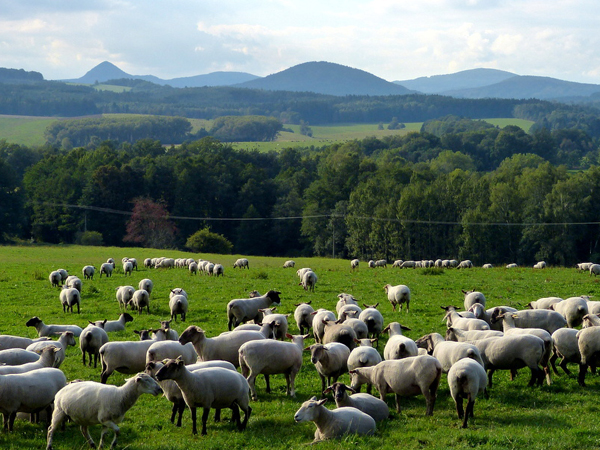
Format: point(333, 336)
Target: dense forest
point(459, 189)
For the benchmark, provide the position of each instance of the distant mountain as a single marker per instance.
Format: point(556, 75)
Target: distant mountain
point(326, 78)
point(525, 87)
point(466, 79)
point(19, 76)
point(107, 71)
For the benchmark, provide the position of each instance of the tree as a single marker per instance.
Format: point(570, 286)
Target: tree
point(149, 225)
point(305, 129)
point(206, 241)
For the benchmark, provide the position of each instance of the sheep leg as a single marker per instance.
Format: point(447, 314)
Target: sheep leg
point(398, 402)
point(11, 421)
point(217, 415)
point(268, 383)
point(174, 413)
point(193, 411)
point(553, 359)
point(247, 413)
point(490, 375)
point(430, 397)
point(86, 435)
point(469, 412)
point(252, 383)
point(323, 385)
point(235, 415)
point(581, 378)
point(563, 366)
point(204, 420)
point(105, 429)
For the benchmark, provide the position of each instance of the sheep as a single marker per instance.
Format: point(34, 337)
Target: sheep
point(455, 320)
point(170, 350)
point(66, 338)
point(243, 310)
point(590, 320)
point(29, 392)
point(241, 263)
point(70, 297)
point(140, 300)
point(127, 268)
point(334, 423)
point(208, 388)
point(466, 379)
point(124, 295)
point(397, 295)
point(472, 297)
point(147, 285)
point(224, 347)
point(438, 263)
point(408, 265)
point(177, 291)
point(565, 347)
point(584, 266)
point(381, 263)
point(300, 272)
point(593, 307)
point(128, 357)
point(89, 403)
point(178, 304)
point(513, 352)
point(594, 269)
point(373, 319)
point(348, 309)
point(88, 272)
point(330, 360)
point(270, 357)
point(544, 303)
point(279, 321)
point(512, 266)
point(535, 318)
point(106, 269)
point(55, 278)
point(344, 299)
point(354, 264)
point(350, 318)
point(91, 339)
point(218, 270)
point(165, 332)
point(309, 280)
point(404, 377)
point(540, 265)
point(486, 314)
point(448, 352)
point(398, 346)
point(397, 263)
point(47, 358)
point(303, 316)
point(373, 406)
point(289, 264)
point(465, 264)
point(74, 282)
point(371, 264)
point(588, 341)
point(110, 326)
point(364, 356)
point(148, 263)
point(338, 332)
point(9, 341)
point(318, 324)
point(455, 334)
point(487, 266)
point(50, 330)
point(17, 356)
point(193, 268)
point(572, 309)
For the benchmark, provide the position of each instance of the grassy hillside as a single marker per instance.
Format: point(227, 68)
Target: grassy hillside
point(560, 416)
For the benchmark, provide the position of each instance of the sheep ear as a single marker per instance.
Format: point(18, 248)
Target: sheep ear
point(327, 391)
point(307, 349)
point(386, 329)
point(314, 398)
point(321, 402)
point(313, 313)
point(348, 388)
point(289, 336)
point(374, 340)
point(179, 360)
point(405, 328)
point(306, 336)
point(309, 302)
point(352, 371)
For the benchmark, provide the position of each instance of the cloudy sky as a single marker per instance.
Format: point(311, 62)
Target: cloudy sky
point(393, 39)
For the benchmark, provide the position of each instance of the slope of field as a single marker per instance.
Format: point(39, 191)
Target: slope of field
point(560, 416)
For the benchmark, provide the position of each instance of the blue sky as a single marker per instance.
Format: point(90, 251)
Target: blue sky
point(393, 39)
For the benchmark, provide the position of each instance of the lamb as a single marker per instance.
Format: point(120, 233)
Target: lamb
point(147, 285)
point(334, 423)
point(309, 280)
point(55, 278)
point(398, 346)
point(373, 319)
point(110, 326)
point(218, 270)
point(588, 341)
point(51, 330)
point(170, 350)
point(88, 272)
point(270, 357)
point(127, 268)
point(455, 334)
point(338, 332)
point(243, 310)
point(448, 352)
point(354, 264)
point(140, 300)
point(91, 339)
point(374, 407)
point(397, 295)
point(303, 314)
point(47, 358)
point(241, 264)
point(89, 403)
point(466, 379)
point(330, 360)
point(544, 303)
point(455, 320)
point(318, 325)
point(29, 392)
point(404, 377)
point(66, 338)
point(178, 304)
point(472, 297)
point(128, 357)
point(8, 341)
point(70, 297)
point(565, 347)
point(224, 347)
point(213, 387)
point(124, 295)
point(289, 264)
point(540, 265)
point(572, 309)
point(17, 356)
point(535, 318)
point(74, 282)
point(106, 269)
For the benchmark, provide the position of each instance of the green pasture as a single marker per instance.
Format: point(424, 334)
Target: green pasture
point(560, 416)
point(24, 130)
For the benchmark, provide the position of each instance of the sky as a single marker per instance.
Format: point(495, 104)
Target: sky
point(393, 39)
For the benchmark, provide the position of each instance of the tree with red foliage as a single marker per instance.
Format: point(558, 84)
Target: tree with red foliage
point(149, 225)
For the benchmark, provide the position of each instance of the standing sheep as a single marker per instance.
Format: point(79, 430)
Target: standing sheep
point(309, 280)
point(140, 300)
point(88, 272)
point(147, 285)
point(289, 264)
point(354, 264)
point(241, 264)
point(55, 278)
point(178, 304)
point(303, 314)
point(91, 339)
point(330, 360)
point(124, 295)
point(70, 297)
point(398, 346)
point(466, 379)
point(242, 310)
point(398, 295)
point(106, 269)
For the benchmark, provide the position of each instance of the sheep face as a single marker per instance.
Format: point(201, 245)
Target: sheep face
point(171, 369)
point(357, 379)
point(191, 334)
point(33, 322)
point(339, 391)
point(309, 410)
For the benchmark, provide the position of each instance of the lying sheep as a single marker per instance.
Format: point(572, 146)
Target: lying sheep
point(334, 423)
point(91, 339)
point(398, 295)
point(374, 407)
point(572, 309)
point(303, 314)
point(140, 300)
point(89, 403)
point(330, 360)
point(213, 387)
point(9, 341)
point(289, 264)
point(66, 338)
point(309, 280)
point(124, 295)
point(241, 264)
point(403, 377)
point(448, 352)
point(17, 356)
point(47, 358)
point(373, 319)
point(318, 323)
point(106, 269)
point(69, 297)
point(110, 326)
point(466, 379)
point(88, 272)
point(29, 392)
point(398, 346)
point(51, 330)
point(269, 357)
point(243, 310)
point(178, 304)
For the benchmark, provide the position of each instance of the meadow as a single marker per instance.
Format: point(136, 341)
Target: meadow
point(560, 416)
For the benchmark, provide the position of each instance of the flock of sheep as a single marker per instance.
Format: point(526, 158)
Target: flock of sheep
point(194, 370)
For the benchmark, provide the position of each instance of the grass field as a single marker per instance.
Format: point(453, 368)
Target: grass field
point(560, 416)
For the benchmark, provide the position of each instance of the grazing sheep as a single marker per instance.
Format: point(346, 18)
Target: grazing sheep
point(354, 264)
point(472, 297)
point(218, 270)
point(148, 263)
point(330, 360)
point(565, 347)
point(289, 264)
point(17, 356)
point(544, 303)
point(124, 295)
point(90, 403)
point(318, 323)
point(373, 319)
point(535, 318)
point(8, 341)
point(540, 265)
point(140, 300)
point(114, 325)
point(371, 264)
point(29, 392)
point(106, 269)
point(170, 350)
point(241, 264)
point(466, 264)
point(455, 320)
point(70, 297)
point(51, 330)
point(448, 352)
point(147, 285)
point(398, 295)
point(127, 268)
point(91, 339)
point(594, 269)
point(193, 268)
point(208, 388)
point(47, 358)
point(572, 309)
point(397, 263)
point(466, 379)
point(66, 338)
point(243, 310)
point(512, 266)
point(381, 263)
point(303, 314)
point(55, 278)
point(373, 406)
point(309, 280)
point(488, 266)
point(300, 272)
point(334, 423)
point(88, 272)
point(403, 377)
point(398, 346)
point(270, 357)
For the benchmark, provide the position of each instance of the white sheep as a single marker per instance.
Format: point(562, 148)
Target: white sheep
point(177, 291)
point(66, 338)
point(89, 403)
point(303, 314)
point(218, 270)
point(193, 268)
point(398, 346)
point(488, 266)
point(512, 266)
point(364, 356)
point(408, 265)
point(398, 295)
point(381, 263)
point(565, 347)
point(88, 272)
point(373, 406)
point(9, 341)
point(140, 300)
point(466, 379)
point(170, 350)
point(111, 261)
point(371, 264)
point(63, 275)
point(165, 332)
point(330, 360)
point(404, 377)
point(124, 295)
point(114, 325)
point(354, 264)
point(588, 341)
point(128, 357)
point(73, 282)
point(243, 310)
point(50, 330)
point(55, 278)
point(241, 263)
point(465, 264)
point(208, 388)
point(289, 264)
point(339, 332)
point(69, 297)
point(92, 338)
point(178, 304)
point(309, 280)
point(300, 272)
point(349, 317)
point(455, 334)
point(373, 319)
point(448, 352)
point(334, 423)
point(318, 322)
point(344, 299)
point(278, 321)
point(17, 356)
point(472, 297)
point(29, 392)
point(127, 267)
point(544, 303)
point(269, 357)
point(47, 358)
point(540, 265)
point(594, 269)
point(397, 263)
point(106, 269)
point(572, 309)
point(147, 285)
point(455, 320)
point(535, 318)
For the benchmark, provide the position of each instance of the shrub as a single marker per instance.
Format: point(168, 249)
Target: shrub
point(93, 238)
point(206, 241)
